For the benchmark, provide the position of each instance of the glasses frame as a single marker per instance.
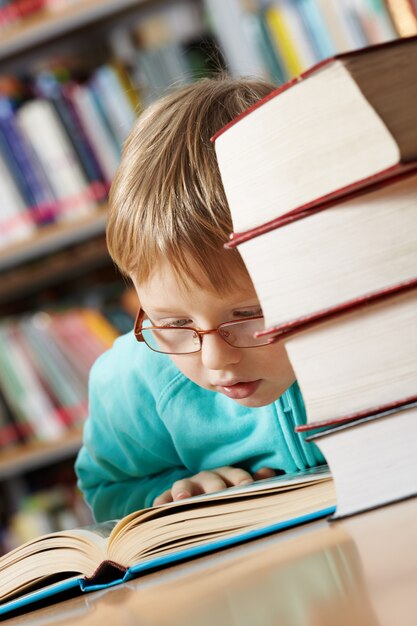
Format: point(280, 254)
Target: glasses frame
point(140, 338)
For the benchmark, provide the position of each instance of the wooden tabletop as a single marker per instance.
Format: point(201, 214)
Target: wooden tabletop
point(361, 571)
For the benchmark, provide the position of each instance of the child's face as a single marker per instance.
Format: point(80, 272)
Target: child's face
point(252, 377)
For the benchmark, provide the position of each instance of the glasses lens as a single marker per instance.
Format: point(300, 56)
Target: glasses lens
point(172, 340)
point(242, 334)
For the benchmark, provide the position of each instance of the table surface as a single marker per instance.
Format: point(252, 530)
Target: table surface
point(358, 571)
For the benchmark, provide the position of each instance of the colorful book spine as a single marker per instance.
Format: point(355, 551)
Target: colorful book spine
point(103, 142)
point(257, 30)
point(283, 41)
point(315, 25)
point(115, 103)
point(74, 194)
point(47, 86)
point(28, 175)
point(15, 221)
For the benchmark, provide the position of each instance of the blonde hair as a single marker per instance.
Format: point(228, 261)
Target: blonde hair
point(167, 200)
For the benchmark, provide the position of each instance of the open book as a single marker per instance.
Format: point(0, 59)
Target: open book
point(114, 552)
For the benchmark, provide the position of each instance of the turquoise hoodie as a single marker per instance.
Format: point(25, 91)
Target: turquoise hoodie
point(149, 426)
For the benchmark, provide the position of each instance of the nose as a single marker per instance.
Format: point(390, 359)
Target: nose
point(216, 354)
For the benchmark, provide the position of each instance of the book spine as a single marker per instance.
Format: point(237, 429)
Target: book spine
point(403, 16)
point(116, 104)
point(335, 23)
point(277, 23)
point(103, 143)
point(15, 221)
point(242, 55)
point(316, 27)
point(48, 87)
point(75, 197)
point(256, 28)
point(22, 391)
point(34, 189)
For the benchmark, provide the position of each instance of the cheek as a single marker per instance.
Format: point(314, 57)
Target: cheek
point(190, 366)
point(276, 362)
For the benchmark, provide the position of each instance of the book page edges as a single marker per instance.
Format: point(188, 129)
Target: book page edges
point(372, 412)
point(303, 323)
point(226, 542)
point(337, 517)
point(389, 176)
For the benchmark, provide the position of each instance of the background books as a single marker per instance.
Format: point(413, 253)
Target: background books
point(45, 362)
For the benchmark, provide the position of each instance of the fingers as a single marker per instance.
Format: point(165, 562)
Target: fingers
point(204, 482)
point(233, 476)
point(264, 472)
point(164, 498)
point(211, 481)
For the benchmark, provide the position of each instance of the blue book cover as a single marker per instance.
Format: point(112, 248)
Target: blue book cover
point(316, 29)
point(23, 165)
point(49, 87)
point(181, 531)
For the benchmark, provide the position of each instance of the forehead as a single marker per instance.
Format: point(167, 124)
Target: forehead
point(165, 289)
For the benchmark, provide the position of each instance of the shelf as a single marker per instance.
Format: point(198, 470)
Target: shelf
point(48, 25)
point(25, 281)
point(32, 456)
point(52, 238)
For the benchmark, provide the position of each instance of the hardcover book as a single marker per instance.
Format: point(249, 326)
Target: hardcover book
point(338, 125)
point(349, 249)
point(358, 362)
point(384, 469)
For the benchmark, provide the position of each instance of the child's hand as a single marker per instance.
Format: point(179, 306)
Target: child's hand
point(209, 481)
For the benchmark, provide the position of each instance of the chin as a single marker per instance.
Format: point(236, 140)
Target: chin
point(254, 403)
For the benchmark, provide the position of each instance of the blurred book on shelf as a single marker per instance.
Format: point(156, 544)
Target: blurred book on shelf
point(41, 501)
point(45, 362)
point(286, 37)
point(15, 12)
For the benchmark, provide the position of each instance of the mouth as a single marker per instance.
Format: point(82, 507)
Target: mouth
point(239, 390)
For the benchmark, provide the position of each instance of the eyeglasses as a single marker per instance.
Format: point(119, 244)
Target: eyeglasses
point(186, 340)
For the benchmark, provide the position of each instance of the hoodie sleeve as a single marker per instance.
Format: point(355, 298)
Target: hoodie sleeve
point(128, 457)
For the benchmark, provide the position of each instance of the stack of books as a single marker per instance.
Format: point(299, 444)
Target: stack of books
point(323, 197)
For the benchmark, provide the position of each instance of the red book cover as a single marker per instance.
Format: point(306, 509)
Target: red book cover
point(386, 409)
point(289, 328)
point(371, 183)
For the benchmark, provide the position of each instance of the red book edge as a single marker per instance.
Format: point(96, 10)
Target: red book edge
point(381, 179)
point(276, 92)
point(302, 323)
point(382, 410)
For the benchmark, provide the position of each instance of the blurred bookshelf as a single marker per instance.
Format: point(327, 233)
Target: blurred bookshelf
point(52, 238)
point(52, 22)
point(39, 454)
point(79, 72)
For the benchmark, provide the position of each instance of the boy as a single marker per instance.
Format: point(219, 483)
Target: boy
point(194, 404)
